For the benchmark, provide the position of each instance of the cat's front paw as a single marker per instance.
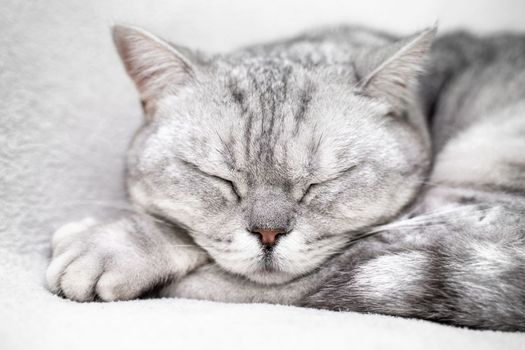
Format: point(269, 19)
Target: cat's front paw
point(107, 262)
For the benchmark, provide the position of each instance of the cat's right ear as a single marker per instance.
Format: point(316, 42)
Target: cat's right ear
point(156, 67)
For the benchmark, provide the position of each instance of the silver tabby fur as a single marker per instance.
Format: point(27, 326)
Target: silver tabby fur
point(323, 135)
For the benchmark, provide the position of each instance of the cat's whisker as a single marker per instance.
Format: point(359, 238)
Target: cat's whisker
point(99, 203)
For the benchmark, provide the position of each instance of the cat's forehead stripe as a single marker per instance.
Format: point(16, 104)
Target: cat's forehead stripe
point(267, 94)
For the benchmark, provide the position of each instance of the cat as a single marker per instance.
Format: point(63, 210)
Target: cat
point(339, 170)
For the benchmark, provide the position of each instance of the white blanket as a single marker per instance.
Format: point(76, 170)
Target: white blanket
point(67, 112)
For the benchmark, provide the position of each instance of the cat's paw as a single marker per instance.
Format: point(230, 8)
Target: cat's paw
point(107, 262)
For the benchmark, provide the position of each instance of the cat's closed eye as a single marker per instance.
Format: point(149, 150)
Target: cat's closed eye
point(308, 191)
point(226, 182)
point(231, 184)
point(314, 185)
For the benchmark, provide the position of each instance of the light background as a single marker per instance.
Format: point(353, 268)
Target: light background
point(223, 24)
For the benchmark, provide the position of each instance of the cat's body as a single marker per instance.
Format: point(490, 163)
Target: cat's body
point(338, 107)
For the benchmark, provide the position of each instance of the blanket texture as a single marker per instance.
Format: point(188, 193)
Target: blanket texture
point(67, 113)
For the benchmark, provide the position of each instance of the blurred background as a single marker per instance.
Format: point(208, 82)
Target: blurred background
point(68, 111)
point(222, 24)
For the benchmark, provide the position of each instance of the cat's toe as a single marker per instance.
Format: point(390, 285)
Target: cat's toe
point(121, 285)
point(57, 267)
point(112, 287)
point(79, 279)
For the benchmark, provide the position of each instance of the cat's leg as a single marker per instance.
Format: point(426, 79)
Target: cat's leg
point(119, 260)
point(464, 266)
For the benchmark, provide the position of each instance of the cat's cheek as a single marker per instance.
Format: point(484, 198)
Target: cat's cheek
point(240, 253)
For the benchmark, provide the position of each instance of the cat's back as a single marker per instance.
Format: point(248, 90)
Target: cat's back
point(478, 120)
point(471, 79)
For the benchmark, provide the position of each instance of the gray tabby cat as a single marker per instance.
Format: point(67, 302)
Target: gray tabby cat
point(298, 173)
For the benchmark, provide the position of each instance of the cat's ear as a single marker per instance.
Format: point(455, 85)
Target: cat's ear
point(396, 69)
point(155, 66)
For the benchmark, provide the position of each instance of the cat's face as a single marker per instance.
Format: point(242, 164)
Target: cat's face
point(272, 167)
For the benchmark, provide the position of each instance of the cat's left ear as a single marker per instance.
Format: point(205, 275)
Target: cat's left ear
point(396, 70)
point(155, 66)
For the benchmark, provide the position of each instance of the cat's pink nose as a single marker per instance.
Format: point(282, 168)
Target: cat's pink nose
point(268, 236)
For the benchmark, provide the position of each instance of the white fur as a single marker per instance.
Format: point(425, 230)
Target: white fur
point(392, 274)
point(477, 154)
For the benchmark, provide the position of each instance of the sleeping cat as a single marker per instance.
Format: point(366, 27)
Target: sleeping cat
point(301, 172)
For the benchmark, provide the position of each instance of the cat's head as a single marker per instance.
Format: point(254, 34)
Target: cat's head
point(274, 164)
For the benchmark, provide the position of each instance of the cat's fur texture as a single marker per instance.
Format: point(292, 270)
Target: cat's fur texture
point(323, 137)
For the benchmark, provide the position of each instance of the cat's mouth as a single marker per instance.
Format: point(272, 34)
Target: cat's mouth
point(268, 259)
point(266, 269)
point(269, 271)
point(263, 263)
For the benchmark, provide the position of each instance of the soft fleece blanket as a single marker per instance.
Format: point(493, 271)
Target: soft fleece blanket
point(67, 112)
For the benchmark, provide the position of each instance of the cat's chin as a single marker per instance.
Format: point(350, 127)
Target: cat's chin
point(269, 277)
